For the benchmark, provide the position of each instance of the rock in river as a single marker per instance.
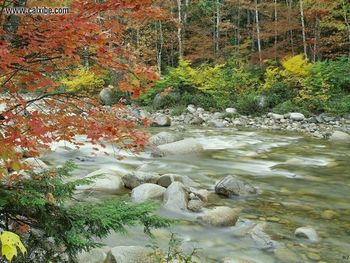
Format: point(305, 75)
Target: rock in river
point(339, 136)
point(146, 192)
point(163, 138)
point(106, 181)
point(186, 146)
point(232, 185)
point(134, 179)
point(176, 197)
point(307, 232)
point(221, 216)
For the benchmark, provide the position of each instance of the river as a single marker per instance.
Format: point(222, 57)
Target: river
point(299, 178)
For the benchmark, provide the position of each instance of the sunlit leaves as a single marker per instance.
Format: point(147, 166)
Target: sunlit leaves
point(9, 244)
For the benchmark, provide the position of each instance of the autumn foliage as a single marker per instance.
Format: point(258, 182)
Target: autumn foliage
point(36, 52)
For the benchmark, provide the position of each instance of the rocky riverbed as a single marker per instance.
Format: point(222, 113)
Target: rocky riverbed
point(320, 126)
point(241, 195)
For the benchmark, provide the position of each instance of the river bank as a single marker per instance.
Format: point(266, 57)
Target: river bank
point(320, 126)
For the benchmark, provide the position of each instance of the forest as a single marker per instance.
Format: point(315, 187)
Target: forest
point(174, 131)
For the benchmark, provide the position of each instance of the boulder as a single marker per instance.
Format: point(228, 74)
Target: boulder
point(96, 255)
point(106, 95)
point(130, 254)
point(167, 179)
point(134, 179)
point(106, 181)
point(232, 185)
point(220, 216)
point(295, 116)
point(339, 136)
point(146, 192)
point(37, 164)
point(161, 120)
point(163, 138)
point(307, 233)
point(176, 197)
point(186, 146)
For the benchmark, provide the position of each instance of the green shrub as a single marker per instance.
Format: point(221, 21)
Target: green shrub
point(249, 104)
point(178, 110)
point(290, 106)
point(58, 226)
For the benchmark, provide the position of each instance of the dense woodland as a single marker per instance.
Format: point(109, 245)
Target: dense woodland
point(254, 55)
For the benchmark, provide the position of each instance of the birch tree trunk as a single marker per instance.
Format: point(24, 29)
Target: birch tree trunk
point(258, 30)
point(303, 27)
point(179, 29)
point(159, 46)
point(346, 20)
point(289, 4)
point(217, 28)
point(276, 24)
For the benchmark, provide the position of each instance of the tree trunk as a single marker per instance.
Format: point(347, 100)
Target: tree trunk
point(258, 30)
point(290, 7)
point(276, 24)
point(346, 20)
point(179, 29)
point(217, 28)
point(303, 27)
point(159, 46)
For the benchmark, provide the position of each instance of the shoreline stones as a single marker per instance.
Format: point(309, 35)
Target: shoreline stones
point(234, 186)
point(163, 138)
point(320, 126)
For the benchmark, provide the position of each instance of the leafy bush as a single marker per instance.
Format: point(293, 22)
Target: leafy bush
point(82, 79)
point(42, 210)
point(250, 104)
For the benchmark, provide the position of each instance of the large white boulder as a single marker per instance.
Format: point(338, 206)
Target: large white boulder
point(106, 181)
point(146, 192)
point(186, 146)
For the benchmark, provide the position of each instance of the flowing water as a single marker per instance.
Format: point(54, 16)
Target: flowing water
point(298, 179)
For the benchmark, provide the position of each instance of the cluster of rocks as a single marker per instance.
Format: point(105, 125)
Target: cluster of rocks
point(321, 126)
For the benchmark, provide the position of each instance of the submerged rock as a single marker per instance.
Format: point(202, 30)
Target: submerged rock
point(134, 179)
point(195, 205)
point(186, 146)
point(307, 233)
point(130, 254)
point(163, 138)
point(232, 185)
point(339, 136)
point(260, 238)
point(176, 197)
point(146, 192)
point(220, 216)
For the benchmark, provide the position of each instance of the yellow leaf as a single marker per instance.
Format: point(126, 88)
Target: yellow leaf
point(9, 243)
